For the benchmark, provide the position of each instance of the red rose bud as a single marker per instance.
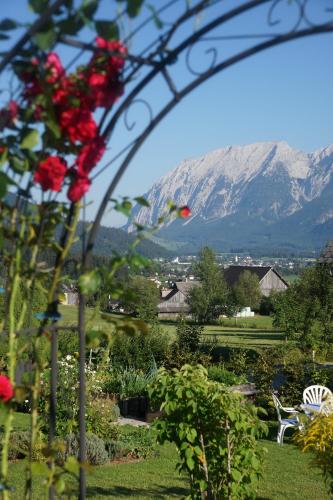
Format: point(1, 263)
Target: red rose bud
point(78, 188)
point(6, 389)
point(50, 173)
point(90, 155)
point(184, 211)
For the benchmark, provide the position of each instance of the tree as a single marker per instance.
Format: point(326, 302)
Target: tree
point(143, 298)
point(247, 290)
point(208, 301)
point(305, 310)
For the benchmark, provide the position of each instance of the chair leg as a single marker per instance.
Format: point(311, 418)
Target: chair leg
point(278, 438)
point(283, 428)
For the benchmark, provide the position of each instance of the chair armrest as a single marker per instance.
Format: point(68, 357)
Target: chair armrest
point(290, 410)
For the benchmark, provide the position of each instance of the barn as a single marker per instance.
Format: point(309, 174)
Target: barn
point(174, 303)
point(269, 279)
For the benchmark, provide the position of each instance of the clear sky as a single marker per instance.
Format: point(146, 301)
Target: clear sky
point(284, 93)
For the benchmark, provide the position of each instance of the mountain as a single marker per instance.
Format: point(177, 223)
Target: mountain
point(265, 195)
point(113, 239)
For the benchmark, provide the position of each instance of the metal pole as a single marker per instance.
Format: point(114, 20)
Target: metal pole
point(53, 399)
point(82, 397)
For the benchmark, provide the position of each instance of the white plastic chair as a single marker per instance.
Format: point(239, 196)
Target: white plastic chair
point(316, 394)
point(284, 423)
point(326, 407)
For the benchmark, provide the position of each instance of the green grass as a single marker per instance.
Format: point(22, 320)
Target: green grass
point(287, 474)
point(241, 332)
point(20, 422)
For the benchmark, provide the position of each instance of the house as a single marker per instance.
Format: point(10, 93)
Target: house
point(269, 279)
point(174, 303)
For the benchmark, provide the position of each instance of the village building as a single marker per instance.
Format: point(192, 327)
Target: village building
point(174, 301)
point(269, 279)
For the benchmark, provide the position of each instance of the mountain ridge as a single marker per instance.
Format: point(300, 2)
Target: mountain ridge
point(243, 193)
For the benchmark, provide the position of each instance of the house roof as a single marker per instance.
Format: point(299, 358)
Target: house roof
point(232, 273)
point(327, 255)
point(181, 286)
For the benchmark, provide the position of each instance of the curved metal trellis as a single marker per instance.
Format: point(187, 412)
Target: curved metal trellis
point(159, 60)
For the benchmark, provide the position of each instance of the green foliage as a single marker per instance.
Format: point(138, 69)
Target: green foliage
point(101, 412)
point(19, 446)
point(214, 430)
point(95, 449)
point(220, 374)
point(144, 299)
point(305, 310)
point(317, 438)
point(247, 290)
point(208, 301)
point(139, 349)
point(139, 442)
point(187, 348)
point(129, 382)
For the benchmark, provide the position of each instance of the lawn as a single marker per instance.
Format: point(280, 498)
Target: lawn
point(287, 474)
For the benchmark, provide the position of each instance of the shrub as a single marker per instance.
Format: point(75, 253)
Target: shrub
point(139, 442)
point(140, 349)
point(214, 430)
point(129, 382)
point(19, 446)
point(317, 437)
point(220, 374)
point(101, 413)
point(95, 449)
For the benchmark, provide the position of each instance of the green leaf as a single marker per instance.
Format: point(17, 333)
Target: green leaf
point(8, 24)
point(107, 29)
point(40, 468)
point(5, 181)
point(156, 19)
point(70, 26)
point(30, 139)
point(90, 282)
point(89, 8)
point(134, 7)
point(142, 201)
point(236, 475)
point(72, 465)
point(45, 39)
point(60, 485)
point(18, 164)
point(53, 126)
point(38, 6)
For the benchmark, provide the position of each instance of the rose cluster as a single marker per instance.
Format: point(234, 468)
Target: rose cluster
point(72, 99)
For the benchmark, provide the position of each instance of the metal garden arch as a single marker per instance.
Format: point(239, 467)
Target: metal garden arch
point(160, 58)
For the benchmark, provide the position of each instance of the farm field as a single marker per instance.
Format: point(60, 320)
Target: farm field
point(238, 332)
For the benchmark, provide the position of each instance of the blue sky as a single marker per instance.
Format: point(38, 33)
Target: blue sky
point(284, 93)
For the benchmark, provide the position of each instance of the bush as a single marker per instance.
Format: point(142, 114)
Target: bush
point(220, 374)
point(129, 382)
point(140, 349)
point(214, 430)
point(139, 442)
point(101, 413)
point(95, 448)
point(19, 446)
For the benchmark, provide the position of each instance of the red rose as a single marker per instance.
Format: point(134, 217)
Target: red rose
point(8, 115)
point(78, 188)
point(50, 173)
point(78, 124)
point(184, 211)
point(54, 67)
point(6, 389)
point(104, 90)
point(90, 155)
point(115, 63)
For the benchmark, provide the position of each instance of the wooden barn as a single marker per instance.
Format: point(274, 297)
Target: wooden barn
point(174, 303)
point(269, 279)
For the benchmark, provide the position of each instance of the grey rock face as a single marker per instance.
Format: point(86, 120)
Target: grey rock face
point(265, 185)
